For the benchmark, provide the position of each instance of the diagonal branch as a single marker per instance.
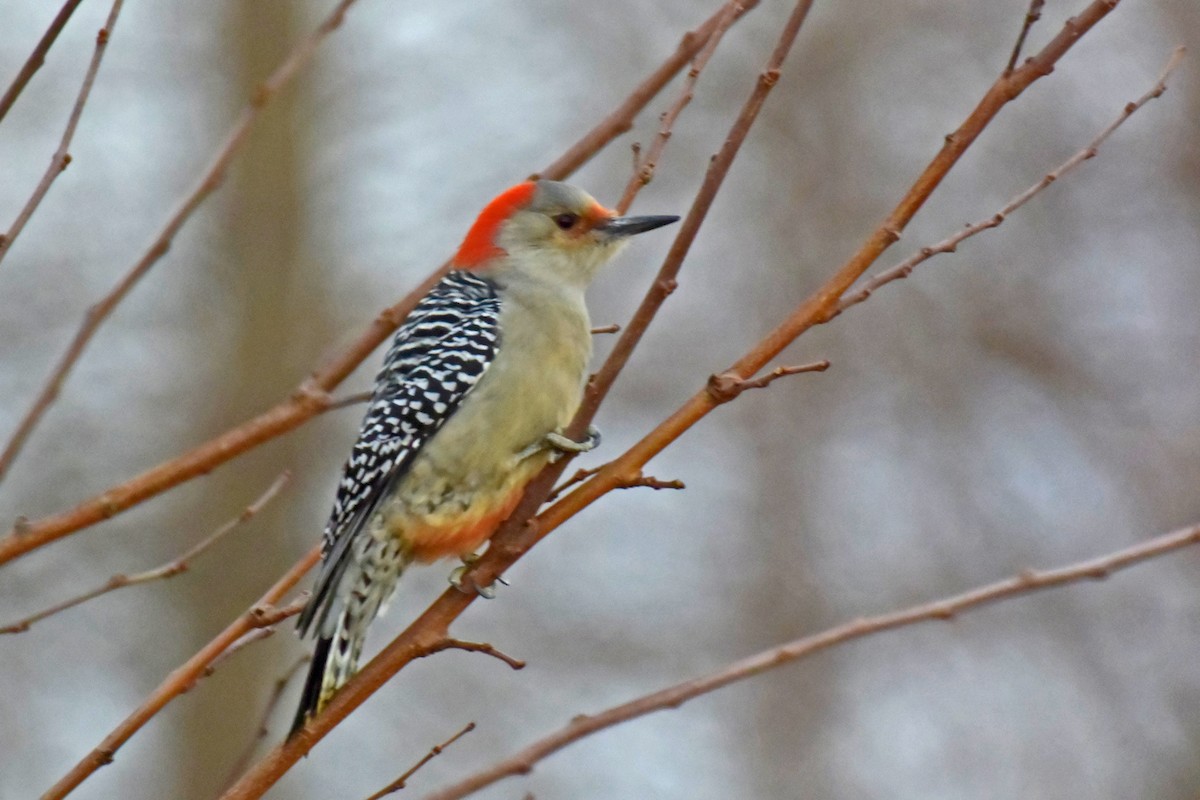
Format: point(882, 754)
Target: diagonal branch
point(312, 397)
point(170, 569)
point(436, 751)
point(1025, 583)
point(61, 157)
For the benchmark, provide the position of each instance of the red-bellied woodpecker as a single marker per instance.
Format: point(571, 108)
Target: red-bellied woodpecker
point(470, 404)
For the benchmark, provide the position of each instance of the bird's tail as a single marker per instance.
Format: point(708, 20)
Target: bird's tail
point(335, 657)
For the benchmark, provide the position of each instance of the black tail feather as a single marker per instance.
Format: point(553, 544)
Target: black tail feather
point(311, 696)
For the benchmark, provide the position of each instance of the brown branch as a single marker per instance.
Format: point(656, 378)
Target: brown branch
point(1033, 15)
point(644, 166)
point(163, 572)
point(61, 157)
point(263, 730)
point(312, 397)
point(516, 536)
point(38, 57)
point(181, 679)
point(1024, 583)
point(578, 477)
point(650, 482)
point(612, 328)
point(436, 751)
point(728, 385)
point(950, 243)
point(479, 647)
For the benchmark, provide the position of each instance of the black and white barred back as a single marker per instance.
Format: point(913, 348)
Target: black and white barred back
point(438, 355)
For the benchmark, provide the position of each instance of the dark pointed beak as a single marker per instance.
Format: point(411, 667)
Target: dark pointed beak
point(617, 227)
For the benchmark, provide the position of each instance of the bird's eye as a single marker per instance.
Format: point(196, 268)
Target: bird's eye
point(566, 221)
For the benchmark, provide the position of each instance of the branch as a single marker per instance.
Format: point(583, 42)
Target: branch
point(436, 751)
point(728, 385)
point(1025, 583)
point(950, 244)
point(61, 158)
point(479, 647)
point(163, 572)
point(38, 57)
point(312, 396)
point(263, 619)
point(182, 679)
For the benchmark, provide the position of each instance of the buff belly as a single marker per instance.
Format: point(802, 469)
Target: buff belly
point(461, 522)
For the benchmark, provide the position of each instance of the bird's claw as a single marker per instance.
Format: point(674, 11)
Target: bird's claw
point(557, 442)
point(456, 579)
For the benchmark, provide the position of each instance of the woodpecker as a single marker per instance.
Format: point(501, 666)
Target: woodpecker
point(470, 404)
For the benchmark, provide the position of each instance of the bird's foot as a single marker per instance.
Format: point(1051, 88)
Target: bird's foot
point(561, 444)
point(458, 573)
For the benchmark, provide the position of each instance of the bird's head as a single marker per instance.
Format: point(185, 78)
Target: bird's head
point(547, 231)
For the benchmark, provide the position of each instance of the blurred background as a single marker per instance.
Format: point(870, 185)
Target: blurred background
point(1029, 401)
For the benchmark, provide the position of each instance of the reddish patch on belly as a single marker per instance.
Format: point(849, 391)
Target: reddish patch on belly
point(428, 542)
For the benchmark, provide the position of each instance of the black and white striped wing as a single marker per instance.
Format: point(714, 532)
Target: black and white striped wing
point(438, 355)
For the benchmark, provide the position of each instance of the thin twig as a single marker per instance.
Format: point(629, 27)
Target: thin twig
point(61, 157)
point(479, 647)
point(1024, 583)
point(168, 570)
point(950, 243)
point(264, 618)
point(263, 730)
point(1033, 15)
point(650, 482)
point(436, 751)
point(644, 167)
point(180, 680)
point(578, 477)
point(611, 328)
point(728, 385)
point(38, 57)
point(312, 396)
point(350, 400)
